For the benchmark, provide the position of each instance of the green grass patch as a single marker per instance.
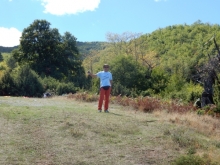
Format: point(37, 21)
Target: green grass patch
point(65, 131)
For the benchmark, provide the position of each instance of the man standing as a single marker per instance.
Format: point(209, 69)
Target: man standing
point(105, 87)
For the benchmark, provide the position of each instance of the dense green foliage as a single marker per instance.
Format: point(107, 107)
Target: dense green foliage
point(28, 82)
point(168, 57)
point(130, 74)
point(161, 63)
point(42, 54)
point(7, 84)
point(47, 52)
point(1, 57)
point(85, 48)
point(193, 160)
point(23, 82)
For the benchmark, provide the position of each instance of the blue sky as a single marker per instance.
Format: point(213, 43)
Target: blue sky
point(91, 20)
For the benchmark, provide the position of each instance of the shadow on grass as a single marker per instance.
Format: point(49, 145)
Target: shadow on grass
point(115, 114)
point(150, 121)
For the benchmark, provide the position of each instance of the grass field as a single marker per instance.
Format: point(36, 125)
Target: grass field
point(62, 131)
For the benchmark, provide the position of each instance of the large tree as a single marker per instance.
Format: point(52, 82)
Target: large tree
point(128, 73)
point(46, 51)
point(1, 57)
point(73, 60)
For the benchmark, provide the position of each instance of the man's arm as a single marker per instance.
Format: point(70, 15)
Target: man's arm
point(92, 75)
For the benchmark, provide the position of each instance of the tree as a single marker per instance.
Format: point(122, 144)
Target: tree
point(11, 62)
point(73, 61)
point(1, 57)
point(39, 47)
point(7, 84)
point(28, 83)
point(129, 74)
point(46, 51)
point(118, 42)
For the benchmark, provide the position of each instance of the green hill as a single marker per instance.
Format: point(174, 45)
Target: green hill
point(84, 47)
point(162, 63)
point(7, 49)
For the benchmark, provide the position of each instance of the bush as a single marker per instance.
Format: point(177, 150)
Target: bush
point(201, 112)
point(189, 160)
point(83, 96)
point(7, 85)
point(178, 88)
point(192, 91)
point(50, 83)
point(217, 108)
point(119, 89)
point(28, 83)
point(184, 138)
point(193, 160)
point(1, 57)
point(64, 88)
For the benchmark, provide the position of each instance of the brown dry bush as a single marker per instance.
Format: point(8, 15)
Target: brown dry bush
point(149, 104)
point(144, 104)
point(176, 107)
point(84, 96)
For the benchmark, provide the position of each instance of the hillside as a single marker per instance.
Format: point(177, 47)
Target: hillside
point(84, 47)
point(7, 49)
point(164, 63)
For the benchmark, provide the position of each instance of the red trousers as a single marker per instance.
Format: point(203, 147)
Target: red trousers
point(104, 95)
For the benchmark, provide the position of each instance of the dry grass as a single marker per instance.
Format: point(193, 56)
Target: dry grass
point(59, 131)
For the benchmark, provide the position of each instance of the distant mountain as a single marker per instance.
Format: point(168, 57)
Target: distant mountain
point(7, 49)
point(84, 47)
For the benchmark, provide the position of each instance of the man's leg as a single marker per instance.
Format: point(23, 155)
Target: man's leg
point(107, 94)
point(101, 98)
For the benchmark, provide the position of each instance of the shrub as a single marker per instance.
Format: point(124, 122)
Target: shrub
point(201, 112)
point(50, 83)
point(185, 91)
point(192, 91)
point(193, 160)
point(28, 83)
point(119, 89)
point(189, 160)
point(7, 84)
point(217, 108)
point(218, 145)
point(184, 138)
point(146, 104)
point(83, 96)
point(64, 88)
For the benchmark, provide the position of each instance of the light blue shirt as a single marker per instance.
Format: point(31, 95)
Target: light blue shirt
point(105, 78)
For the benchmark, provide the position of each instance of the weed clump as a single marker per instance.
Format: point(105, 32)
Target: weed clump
point(192, 160)
point(84, 96)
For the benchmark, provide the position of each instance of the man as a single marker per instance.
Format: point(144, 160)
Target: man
point(105, 87)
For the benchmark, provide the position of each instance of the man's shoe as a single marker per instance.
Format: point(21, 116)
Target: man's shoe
point(99, 110)
point(106, 111)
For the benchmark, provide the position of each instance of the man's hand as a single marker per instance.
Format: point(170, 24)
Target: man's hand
point(92, 75)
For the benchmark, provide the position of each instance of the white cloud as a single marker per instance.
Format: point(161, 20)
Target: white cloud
point(9, 37)
point(62, 7)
